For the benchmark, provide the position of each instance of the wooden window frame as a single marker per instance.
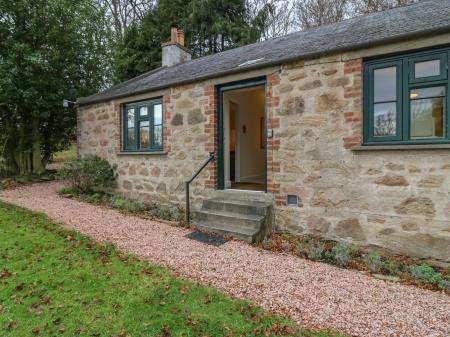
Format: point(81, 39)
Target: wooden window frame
point(406, 81)
point(150, 104)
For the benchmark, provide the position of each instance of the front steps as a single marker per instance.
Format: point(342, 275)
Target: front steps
point(244, 215)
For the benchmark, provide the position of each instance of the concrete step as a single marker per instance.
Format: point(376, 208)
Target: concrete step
point(226, 218)
point(245, 234)
point(237, 206)
point(244, 215)
point(243, 196)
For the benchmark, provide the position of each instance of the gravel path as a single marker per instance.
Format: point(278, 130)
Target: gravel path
point(313, 294)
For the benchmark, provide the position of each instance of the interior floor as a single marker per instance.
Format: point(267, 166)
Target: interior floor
point(248, 186)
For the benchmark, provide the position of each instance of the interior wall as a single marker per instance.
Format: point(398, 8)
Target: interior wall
point(250, 162)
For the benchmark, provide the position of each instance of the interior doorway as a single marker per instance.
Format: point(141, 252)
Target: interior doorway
point(244, 143)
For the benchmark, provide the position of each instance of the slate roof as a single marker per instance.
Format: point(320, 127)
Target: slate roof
point(427, 17)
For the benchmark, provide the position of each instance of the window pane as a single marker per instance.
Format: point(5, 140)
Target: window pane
point(385, 84)
point(427, 68)
point(157, 114)
point(427, 92)
point(143, 111)
point(384, 119)
point(427, 117)
point(158, 137)
point(130, 118)
point(145, 134)
point(131, 140)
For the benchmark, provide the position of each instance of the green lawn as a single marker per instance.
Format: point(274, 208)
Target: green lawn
point(57, 282)
point(67, 155)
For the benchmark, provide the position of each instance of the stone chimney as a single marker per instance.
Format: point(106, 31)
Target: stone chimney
point(174, 51)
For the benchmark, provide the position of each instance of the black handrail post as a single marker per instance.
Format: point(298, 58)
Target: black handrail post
point(187, 209)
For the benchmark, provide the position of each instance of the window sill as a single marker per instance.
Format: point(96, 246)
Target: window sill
point(400, 147)
point(141, 153)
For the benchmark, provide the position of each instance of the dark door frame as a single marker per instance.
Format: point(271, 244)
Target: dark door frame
point(221, 89)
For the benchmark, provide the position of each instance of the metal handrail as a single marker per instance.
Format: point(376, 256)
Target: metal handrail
point(199, 170)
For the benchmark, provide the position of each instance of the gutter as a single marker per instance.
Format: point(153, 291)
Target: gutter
point(364, 45)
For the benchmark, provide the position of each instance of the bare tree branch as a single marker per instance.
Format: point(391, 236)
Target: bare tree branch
point(369, 6)
point(313, 13)
point(276, 17)
point(123, 13)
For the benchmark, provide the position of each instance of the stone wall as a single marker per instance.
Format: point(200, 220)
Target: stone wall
point(394, 198)
point(189, 136)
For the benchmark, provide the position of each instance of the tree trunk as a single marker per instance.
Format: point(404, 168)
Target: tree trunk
point(28, 159)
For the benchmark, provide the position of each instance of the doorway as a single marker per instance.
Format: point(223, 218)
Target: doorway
point(242, 158)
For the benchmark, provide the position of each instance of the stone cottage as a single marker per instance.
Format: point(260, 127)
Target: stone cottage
point(344, 129)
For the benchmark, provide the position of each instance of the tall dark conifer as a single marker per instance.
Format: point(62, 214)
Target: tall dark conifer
point(211, 26)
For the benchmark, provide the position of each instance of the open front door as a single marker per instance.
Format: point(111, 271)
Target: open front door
point(242, 141)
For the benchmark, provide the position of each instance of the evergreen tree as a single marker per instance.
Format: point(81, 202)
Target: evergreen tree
point(210, 26)
point(217, 25)
point(49, 50)
point(140, 49)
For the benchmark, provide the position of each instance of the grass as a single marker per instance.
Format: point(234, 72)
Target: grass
point(57, 282)
point(67, 155)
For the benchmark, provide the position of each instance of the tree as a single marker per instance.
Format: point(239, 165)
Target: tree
point(215, 26)
point(49, 50)
point(313, 13)
point(369, 6)
point(210, 26)
point(272, 18)
point(124, 13)
point(140, 48)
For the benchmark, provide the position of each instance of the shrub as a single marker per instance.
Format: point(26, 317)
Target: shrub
point(94, 198)
point(91, 173)
point(341, 254)
point(373, 262)
point(445, 285)
point(391, 267)
point(300, 249)
point(315, 251)
point(425, 274)
point(166, 213)
point(133, 206)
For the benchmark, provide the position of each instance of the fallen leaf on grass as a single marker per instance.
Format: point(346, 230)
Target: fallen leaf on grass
point(45, 300)
point(11, 325)
point(19, 287)
point(166, 331)
point(5, 273)
point(35, 309)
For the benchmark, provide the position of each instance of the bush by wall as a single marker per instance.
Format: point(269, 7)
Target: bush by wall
point(89, 174)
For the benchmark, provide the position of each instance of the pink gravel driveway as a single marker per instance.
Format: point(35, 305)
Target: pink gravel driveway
point(313, 294)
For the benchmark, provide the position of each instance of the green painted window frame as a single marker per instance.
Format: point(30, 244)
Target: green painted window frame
point(406, 82)
point(150, 104)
